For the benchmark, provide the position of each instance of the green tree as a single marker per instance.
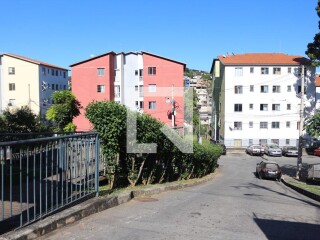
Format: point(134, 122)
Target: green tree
point(313, 51)
point(64, 109)
point(312, 125)
point(20, 120)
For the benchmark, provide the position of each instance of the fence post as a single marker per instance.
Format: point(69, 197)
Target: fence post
point(97, 166)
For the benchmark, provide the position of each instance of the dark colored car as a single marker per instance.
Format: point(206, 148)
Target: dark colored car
point(290, 151)
point(268, 169)
point(316, 152)
point(255, 149)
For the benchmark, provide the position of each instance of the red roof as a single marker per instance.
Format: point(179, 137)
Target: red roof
point(263, 59)
point(32, 60)
point(317, 81)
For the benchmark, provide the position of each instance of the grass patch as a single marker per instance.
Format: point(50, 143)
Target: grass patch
point(310, 188)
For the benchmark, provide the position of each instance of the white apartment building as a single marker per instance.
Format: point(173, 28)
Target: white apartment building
point(257, 98)
point(25, 81)
point(129, 66)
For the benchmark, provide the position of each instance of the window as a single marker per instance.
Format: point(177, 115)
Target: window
point(298, 125)
point(299, 89)
point(288, 106)
point(64, 74)
point(136, 88)
point(117, 91)
point(275, 141)
point(152, 88)
point(287, 141)
point(289, 69)
point(275, 89)
point(275, 125)
point(52, 86)
point(275, 107)
point(238, 107)
point(137, 104)
point(289, 88)
point(152, 105)
point(251, 88)
point(263, 141)
point(263, 107)
point(140, 72)
point(52, 72)
point(136, 72)
point(57, 87)
point(250, 141)
point(57, 72)
point(238, 89)
point(264, 70)
point(141, 91)
point(251, 106)
point(264, 125)
point(152, 70)
point(141, 104)
point(237, 126)
point(264, 89)
point(64, 87)
point(12, 102)
point(251, 69)
point(250, 124)
point(43, 71)
point(288, 124)
point(12, 86)
point(276, 70)
point(100, 71)
point(11, 70)
point(100, 88)
point(238, 71)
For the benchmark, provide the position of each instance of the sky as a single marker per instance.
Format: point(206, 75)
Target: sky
point(63, 32)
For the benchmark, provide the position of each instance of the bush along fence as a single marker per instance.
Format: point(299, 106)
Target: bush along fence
point(167, 164)
point(41, 176)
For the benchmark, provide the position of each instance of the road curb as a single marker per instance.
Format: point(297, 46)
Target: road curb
point(302, 191)
point(92, 206)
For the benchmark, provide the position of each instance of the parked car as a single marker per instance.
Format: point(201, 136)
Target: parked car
point(290, 151)
point(316, 152)
point(272, 150)
point(255, 149)
point(268, 169)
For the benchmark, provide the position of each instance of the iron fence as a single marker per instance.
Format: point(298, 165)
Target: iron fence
point(41, 176)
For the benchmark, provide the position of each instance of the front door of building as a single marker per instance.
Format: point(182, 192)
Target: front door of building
point(238, 143)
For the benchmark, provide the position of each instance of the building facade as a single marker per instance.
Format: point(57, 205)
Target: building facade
point(25, 81)
point(257, 98)
point(141, 81)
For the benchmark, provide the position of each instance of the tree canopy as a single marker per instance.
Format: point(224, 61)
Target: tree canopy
point(313, 51)
point(64, 109)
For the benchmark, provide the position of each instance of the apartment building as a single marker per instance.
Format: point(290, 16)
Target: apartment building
point(142, 81)
point(257, 98)
point(26, 81)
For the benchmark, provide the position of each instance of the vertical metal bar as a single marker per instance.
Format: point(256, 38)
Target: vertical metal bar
point(66, 151)
point(40, 179)
point(52, 173)
point(81, 170)
point(71, 168)
point(97, 158)
point(28, 212)
point(34, 183)
point(46, 181)
point(10, 151)
point(62, 169)
point(2, 157)
point(57, 175)
point(87, 165)
point(20, 169)
point(76, 168)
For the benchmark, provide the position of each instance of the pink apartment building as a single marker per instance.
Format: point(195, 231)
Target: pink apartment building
point(141, 81)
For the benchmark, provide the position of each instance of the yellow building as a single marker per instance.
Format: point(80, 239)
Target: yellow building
point(25, 81)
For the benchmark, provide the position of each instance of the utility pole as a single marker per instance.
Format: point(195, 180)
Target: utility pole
point(299, 159)
point(173, 108)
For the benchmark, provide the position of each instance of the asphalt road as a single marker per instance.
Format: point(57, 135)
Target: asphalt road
point(235, 205)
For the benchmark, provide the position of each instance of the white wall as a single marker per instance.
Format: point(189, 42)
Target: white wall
point(256, 98)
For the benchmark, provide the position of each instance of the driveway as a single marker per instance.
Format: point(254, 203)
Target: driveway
point(235, 205)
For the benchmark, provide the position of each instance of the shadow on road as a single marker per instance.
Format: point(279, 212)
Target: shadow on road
point(291, 170)
point(256, 186)
point(278, 229)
